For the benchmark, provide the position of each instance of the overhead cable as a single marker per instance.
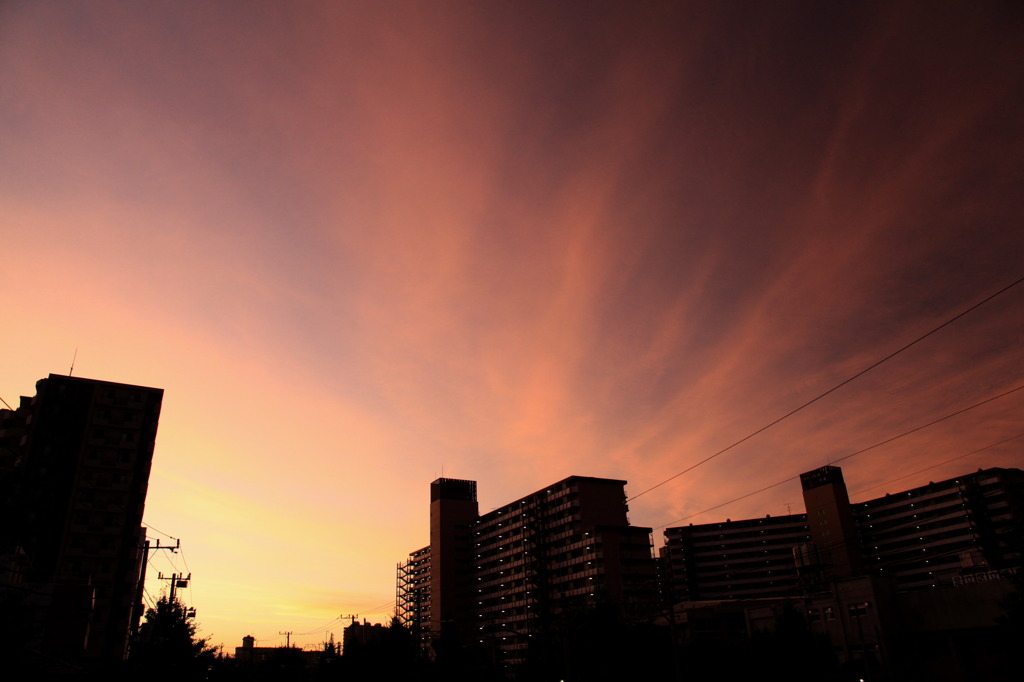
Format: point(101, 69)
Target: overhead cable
point(854, 454)
point(934, 466)
point(833, 389)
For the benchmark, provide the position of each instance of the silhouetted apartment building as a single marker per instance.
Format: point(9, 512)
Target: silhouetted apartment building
point(504, 579)
point(923, 537)
point(735, 559)
point(76, 462)
point(922, 570)
point(939, 533)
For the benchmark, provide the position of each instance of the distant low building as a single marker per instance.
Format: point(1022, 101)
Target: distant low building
point(362, 635)
point(249, 653)
point(281, 657)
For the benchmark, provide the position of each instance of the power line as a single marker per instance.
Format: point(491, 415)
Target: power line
point(858, 452)
point(725, 504)
point(166, 558)
point(833, 389)
point(151, 527)
point(191, 600)
point(264, 639)
point(184, 560)
point(935, 466)
point(322, 628)
point(380, 609)
point(931, 423)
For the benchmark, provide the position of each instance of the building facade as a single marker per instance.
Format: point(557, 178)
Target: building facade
point(735, 559)
point(75, 484)
point(939, 533)
point(453, 511)
point(882, 580)
point(565, 548)
point(924, 537)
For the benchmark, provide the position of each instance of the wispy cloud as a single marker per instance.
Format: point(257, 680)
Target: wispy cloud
point(361, 244)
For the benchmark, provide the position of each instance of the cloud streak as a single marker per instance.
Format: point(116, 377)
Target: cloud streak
point(358, 245)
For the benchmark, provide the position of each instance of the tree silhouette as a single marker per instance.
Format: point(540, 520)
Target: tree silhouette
point(167, 644)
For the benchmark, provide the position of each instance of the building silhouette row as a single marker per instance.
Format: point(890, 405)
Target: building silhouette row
point(880, 579)
point(910, 581)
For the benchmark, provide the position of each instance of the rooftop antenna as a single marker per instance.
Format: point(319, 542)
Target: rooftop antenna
point(5, 403)
point(73, 358)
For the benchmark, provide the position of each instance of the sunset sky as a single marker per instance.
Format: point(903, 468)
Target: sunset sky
point(359, 244)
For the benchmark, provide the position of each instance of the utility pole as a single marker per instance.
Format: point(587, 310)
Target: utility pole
point(177, 580)
point(140, 607)
point(288, 639)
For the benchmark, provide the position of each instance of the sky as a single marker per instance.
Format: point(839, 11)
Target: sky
point(361, 245)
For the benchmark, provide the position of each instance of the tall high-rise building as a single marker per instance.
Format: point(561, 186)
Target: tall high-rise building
point(453, 509)
point(76, 482)
point(831, 523)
